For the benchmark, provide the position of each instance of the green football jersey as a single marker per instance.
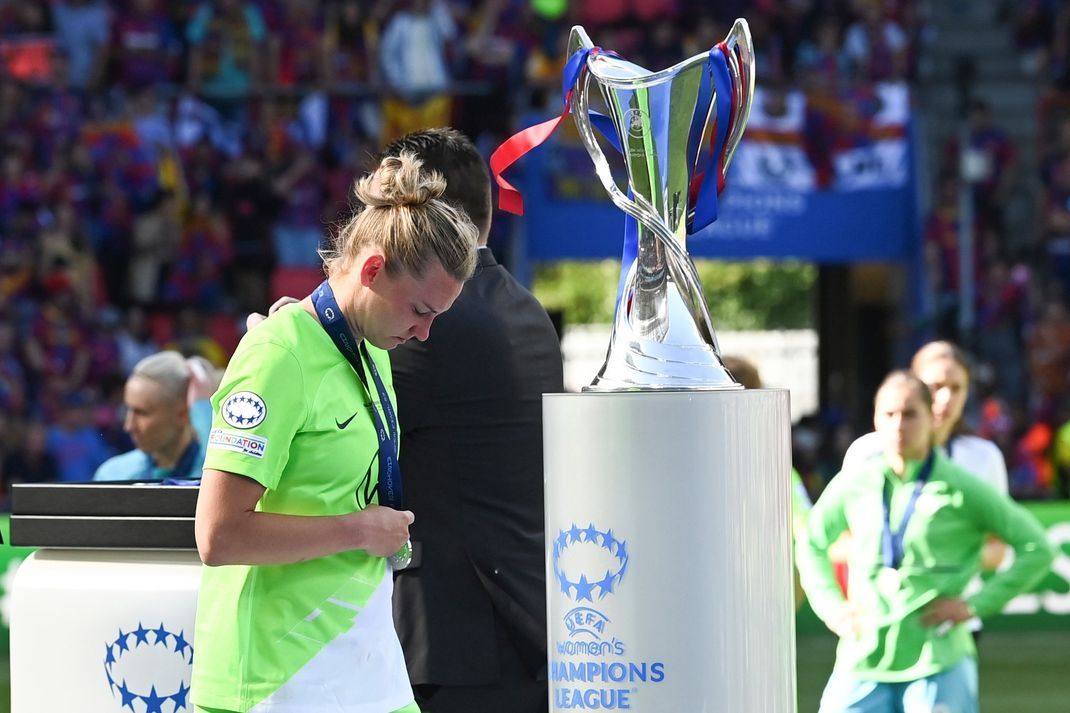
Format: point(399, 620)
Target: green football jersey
point(942, 544)
point(316, 635)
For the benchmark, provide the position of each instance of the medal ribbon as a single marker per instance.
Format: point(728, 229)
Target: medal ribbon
point(334, 323)
point(892, 542)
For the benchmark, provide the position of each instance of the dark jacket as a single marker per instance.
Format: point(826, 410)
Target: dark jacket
point(470, 408)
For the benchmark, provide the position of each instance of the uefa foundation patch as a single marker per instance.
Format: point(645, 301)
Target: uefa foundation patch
point(242, 443)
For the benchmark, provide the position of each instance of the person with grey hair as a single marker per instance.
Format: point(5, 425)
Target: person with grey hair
point(167, 417)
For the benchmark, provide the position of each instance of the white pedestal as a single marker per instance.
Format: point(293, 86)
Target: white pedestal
point(668, 535)
point(93, 631)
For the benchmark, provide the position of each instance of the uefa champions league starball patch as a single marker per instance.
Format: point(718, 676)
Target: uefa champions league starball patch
point(244, 409)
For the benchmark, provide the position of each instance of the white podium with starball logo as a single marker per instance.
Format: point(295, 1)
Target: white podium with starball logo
point(102, 614)
point(669, 576)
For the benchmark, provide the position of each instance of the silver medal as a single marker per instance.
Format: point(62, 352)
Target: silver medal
point(888, 581)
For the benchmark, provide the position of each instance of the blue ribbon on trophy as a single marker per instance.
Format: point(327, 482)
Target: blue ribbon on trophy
point(663, 338)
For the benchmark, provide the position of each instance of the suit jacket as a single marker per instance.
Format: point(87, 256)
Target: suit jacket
point(470, 410)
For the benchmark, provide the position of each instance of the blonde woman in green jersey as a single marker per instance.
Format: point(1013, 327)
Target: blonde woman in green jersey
point(294, 609)
point(918, 523)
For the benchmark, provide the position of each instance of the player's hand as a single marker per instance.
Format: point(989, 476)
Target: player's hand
point(381, 531)
point(946, 610)
point(203, 380)
point(847, 622)
point(256, 318)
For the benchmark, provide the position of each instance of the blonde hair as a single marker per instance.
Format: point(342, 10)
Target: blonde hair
point(405, 216)
point(939, 351)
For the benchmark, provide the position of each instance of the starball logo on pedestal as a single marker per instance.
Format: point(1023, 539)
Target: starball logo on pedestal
point(592, 667)
point(148, 670)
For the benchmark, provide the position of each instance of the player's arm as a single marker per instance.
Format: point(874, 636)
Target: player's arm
point(230, 530)
point(826, 522)
point(1020, 529)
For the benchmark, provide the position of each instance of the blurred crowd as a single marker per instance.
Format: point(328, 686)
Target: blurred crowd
point(1021, 276)
point(167, 167)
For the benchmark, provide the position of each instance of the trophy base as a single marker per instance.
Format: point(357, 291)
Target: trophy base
point(669, 551)
point(650, 366)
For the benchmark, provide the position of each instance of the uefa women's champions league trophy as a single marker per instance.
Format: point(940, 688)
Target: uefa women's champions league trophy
point(667, 508)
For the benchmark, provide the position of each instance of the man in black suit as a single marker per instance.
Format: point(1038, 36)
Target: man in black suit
point(471, 610)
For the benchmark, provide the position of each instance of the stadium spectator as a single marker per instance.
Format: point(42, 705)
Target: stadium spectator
point(29, 461)
point(156, 235)
point(350, 37)
point(146, 46)
point(197, 275)
point(1001, 309)
point(13, 384)
point(1049, 359)
point(135, 340)
point(991, 164)
point(299, 45)
point(249, 206)
point(228, 44)
point(415, 68)
point(191, 338)
point(83, 29)
point(74, 441)
point(875, 47)
point(298, 229)
point(1033, 24)
point(56, 349)
point(1055, 217)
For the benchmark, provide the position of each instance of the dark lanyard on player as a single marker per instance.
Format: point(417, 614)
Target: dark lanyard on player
point(336, 326)
point(950, 445)
point(182, 467)
point(892, 542)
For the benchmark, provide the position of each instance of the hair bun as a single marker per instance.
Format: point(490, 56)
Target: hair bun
point(400, 181)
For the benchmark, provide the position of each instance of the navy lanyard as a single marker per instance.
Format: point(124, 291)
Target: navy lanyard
point(334, 323)
point(949, 445)
point(892, 542)
point(182, 467)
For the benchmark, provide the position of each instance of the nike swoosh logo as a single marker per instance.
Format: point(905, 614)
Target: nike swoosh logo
point(343, 424)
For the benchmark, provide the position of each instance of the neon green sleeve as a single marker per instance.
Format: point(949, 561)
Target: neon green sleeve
point(258, 408)
point(1016, 526)
point(827, 521)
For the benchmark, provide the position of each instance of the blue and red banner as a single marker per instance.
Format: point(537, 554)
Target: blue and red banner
point(827, 179)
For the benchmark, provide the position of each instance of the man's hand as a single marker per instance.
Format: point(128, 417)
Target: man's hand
point(381, 531)
point(946, 612)
point(256, 318)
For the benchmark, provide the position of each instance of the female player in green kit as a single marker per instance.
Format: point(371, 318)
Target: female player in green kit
point(919, 524)
point(294, 610)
